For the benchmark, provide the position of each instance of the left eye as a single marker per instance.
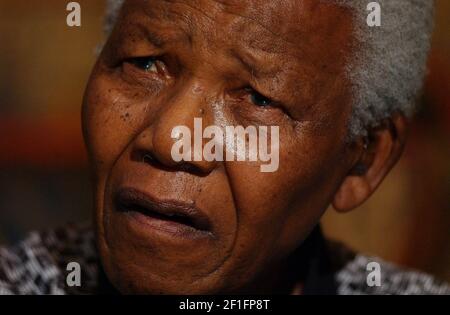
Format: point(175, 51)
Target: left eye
point(260, 100)
point(147, 64)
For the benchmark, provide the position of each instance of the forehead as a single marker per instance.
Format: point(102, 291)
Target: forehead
point(271, 26)
point(294, 51)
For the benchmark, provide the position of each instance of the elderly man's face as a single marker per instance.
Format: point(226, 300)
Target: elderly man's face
point(168, 62)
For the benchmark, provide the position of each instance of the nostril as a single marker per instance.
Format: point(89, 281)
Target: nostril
point(148, 159)
point(144, 156)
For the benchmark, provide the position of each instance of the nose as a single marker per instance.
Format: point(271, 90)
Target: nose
point(182, 109)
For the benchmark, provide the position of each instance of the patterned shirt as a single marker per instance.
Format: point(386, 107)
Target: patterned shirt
point(38, 266)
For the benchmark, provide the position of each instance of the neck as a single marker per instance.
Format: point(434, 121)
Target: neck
point(288, 277)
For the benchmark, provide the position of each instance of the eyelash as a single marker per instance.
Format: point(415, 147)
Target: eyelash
point(149, 64)
point(258, 99)
point(142, 63)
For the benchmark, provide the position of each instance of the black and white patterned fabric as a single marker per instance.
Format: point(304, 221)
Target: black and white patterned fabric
point(352, 280)
point(38, 266)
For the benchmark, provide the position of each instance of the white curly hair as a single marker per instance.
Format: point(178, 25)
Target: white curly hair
point(389, 68)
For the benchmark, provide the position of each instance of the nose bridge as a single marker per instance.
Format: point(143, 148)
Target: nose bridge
point(182, 109)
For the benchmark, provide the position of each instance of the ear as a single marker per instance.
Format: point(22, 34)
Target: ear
point(375, 157)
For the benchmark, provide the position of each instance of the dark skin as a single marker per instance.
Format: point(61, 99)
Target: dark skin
point(260, 63)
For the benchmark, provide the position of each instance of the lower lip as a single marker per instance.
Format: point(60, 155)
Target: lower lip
point(165, 227)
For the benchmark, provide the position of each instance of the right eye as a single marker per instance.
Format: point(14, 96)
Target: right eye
point(147, 64)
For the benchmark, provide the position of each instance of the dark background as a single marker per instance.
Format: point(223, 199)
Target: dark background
point(44, 182)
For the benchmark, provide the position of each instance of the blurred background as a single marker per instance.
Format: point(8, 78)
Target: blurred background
point(44, 66)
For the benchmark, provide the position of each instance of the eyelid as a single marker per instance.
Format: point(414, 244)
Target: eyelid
point(250, 89)
point(156, 62)
point(135, 60)
point(276, 104)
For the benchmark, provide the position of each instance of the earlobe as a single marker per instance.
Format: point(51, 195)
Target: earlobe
point(352, 193)
point(383, 150)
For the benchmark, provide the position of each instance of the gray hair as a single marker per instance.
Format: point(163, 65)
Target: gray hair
point(390, 64)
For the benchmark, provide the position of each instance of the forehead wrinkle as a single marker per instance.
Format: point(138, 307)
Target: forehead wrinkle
point(172, 31)
point(173, 14)
point(226, 7)
point(247, 61)
point(274, 36)
point(185, 3)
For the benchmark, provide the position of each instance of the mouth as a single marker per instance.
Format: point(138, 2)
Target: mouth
point(170, 216)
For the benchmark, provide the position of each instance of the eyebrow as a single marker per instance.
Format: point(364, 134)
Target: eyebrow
point(252, 65)
point(154, 38)
point(157, 39)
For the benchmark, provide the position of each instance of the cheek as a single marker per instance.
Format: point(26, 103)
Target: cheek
point(277, 210)
point(108, 124)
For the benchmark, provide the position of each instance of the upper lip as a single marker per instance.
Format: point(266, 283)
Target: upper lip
point(130, 199)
